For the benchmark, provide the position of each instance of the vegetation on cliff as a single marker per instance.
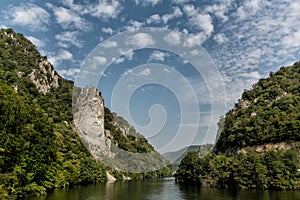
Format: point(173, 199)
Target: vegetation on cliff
point(39, 148)
point(267, 115)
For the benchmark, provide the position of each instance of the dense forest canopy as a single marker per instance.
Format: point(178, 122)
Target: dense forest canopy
point(258, 146)
point(269, 112)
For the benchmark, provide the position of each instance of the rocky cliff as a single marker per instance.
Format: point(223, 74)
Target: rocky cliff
point(89, 120)
point(111, 139)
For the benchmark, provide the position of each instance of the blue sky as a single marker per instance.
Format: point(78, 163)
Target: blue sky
point(173, 104)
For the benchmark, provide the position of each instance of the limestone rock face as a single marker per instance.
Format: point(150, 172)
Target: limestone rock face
point(44, 77)
point(89, 121)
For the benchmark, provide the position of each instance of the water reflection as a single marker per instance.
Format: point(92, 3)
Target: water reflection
point(162, 189)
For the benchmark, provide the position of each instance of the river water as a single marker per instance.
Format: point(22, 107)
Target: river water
point(162, 189)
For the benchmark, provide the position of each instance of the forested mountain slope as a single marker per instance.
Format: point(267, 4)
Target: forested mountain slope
point(268, 113)
point(258, 144)
point(39, 147)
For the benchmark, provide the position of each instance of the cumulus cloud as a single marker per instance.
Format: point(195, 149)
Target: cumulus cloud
point(145, 72)
point(100, 60)
point(107, 30)
point(62, 55)
point(134, 25)
point(153, 19)
point(120, 60)
point(147, 2)
point(194, 39)
point(29, 15)
point(105, 9)
point(220, 38)
point(69, 73)
point(173, 38)
point(261, 37)
point(203, 22)
point(189, 10)
point(248, 8)
point(68, 38)
point(157, 56)
point(109, 44)
point(37, 42)
point(176, 13)
point(140, 40)
point(181, 1)
point(69, 19)
point(100, 9)
point(220, 10)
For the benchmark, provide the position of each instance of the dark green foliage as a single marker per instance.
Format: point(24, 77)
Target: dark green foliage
point(131, 141)
point(270, 112)
point(272, 170)
point(189, 169)
point(39, 150)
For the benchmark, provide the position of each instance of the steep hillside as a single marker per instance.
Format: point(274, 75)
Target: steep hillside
point(39, 147)
point(110, 138)
point(268, 113)
point(258, 146)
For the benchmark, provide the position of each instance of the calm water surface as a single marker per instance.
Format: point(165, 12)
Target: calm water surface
point(161, 189)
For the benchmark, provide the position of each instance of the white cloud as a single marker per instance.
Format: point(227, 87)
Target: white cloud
point(68, 38)
point(203, 22)
point(252, 75)
point(72, 72)
point(292, 40)
point(145, 72)
point(220, 9)
point(248, 8)
point(38, 43)
point(153, 19)
point(109, 44)
point(181, 1)
point(194, 39)
point(200, 19)
point(166, 70)
point(128, 54)
point(262, 36)
point(176, 13)
point(147, 2)
point(62, 55)
point(140, 40)
point(220, 38)
point(69, 19)
point(100, 60)
point(157, 56)
point(120, 60)
point(107, 30)
point(173, 38)
point(29, 15)
point(101, 8)
point(189, 10)
point(105, 9)
point(134, 25)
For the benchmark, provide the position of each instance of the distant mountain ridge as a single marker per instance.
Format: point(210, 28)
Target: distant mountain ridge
point(175, 157)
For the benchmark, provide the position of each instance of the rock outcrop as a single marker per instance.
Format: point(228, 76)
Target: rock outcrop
point(89, 121)
point(44, 77)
